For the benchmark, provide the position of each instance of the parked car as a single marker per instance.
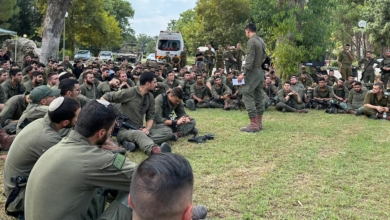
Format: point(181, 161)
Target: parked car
point(83, 54)
point(105, 56)
point(151, 57)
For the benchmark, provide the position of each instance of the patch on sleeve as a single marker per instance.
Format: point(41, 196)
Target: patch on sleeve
point(119, 161)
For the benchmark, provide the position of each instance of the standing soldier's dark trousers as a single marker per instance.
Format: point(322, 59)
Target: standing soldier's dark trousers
point(219, 65)
point(385, 79)
point(239, 65)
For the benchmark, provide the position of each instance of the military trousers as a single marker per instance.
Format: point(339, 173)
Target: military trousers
point(228, 66)
point(385, 80)
point(338, 104)
point(252, 92)
point(219, 64)
point(293, 108)
point(183, 62)
point(217, 103)
point(199, 65)
point(369, 112)
point(186, 128)
point(118, 209)
point(239, 65)
point(369, 77)
point(346, 70)
point(209, 67)
point(357, 108)
point(191, 104)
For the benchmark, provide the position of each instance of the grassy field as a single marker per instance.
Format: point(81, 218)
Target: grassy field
point(301, 166)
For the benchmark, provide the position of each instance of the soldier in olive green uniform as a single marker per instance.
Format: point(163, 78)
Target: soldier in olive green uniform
point(219, 58)
point(332, 77)
point(340, 94)
point(160, 89)
point(367, 63)
point(88, 88)
point(221, 94)
point(271, 92)
point(171, 82)
point(252, 90)
point(289, 100)
point(67, 65)
point(78, 157)
point(13, 86)
point(276, 81)
point(229, 59)
point(137, 103)
point(167, 58)
point(349, 83)
point(239, 53)
point(14, 108)
point(30, 52)
point(385, 67)
point(105, 87)
point(37, 79)
point(356, 99)
point(345, 61)
point(376, 103)
point(323, 94)
point(209, 59)
point(198, 91)
point(176, 62)
point(183, 58)
point(32, 142)
point(187, 83)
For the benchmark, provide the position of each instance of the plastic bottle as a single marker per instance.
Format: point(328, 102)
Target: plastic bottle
point(384, 116)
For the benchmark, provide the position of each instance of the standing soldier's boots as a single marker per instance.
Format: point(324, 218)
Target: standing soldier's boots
point(5, 140)
point(259, 121)
point(252, 127)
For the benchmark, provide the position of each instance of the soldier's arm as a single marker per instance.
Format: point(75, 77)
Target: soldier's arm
point(83, 89)
point(122, 96)
point(83, 100)
point(159, 109)
point(331, 94)
point(214, 93)
point(367, 101)
point(281, 96)
point(180, 111)
point(350, 97)
point(346, 91)
point(150, 113)
point(250, 56)
point(361, 62)
point(227, 90)
point(6, 113)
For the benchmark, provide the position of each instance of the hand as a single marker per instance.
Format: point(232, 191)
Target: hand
point(386, 109)
point(200, 100)
point(240, 78)
point(145, 130)
point(379, 109)
point(181, 121)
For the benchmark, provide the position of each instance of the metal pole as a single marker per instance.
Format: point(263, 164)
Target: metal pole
point(63, 47)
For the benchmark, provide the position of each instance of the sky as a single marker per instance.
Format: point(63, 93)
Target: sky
point(152, 16)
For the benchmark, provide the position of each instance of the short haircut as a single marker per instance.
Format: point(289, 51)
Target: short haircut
point(357, 83)
point(65, 76)
point(379, 84)
point(95, 116)
point(29, 68)
point(66, 111)
point(287, 82)
point(351, 76)
point(251, 27)
point(368, 52)
point(177, 92)
point(36, 73)
point(51, 75)
point(85, 75)
point(13, 72)
point(331, 70)
point(187, 72)
point(34, 62)
point(146, 77)
point(163, 181)
point(304, 72)
point(41, 65)
point(342, 79)
point(67, 85)
point(105, 69)
point(293, 76)
point(321, 79)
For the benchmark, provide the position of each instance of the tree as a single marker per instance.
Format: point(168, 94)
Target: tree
point(122, 11)
point(172, 25)
point(144, 40)
point(7, 10)
point(151, 47)
point(28, 20)
point(52, 28)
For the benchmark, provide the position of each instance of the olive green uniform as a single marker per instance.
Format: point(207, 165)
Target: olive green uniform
point(239, 53)
point(11, 90)
point(308, 82)
point(342, 92)
point(175, 83)
point(13, 108)
point(183, 59)
point(208, 59)
point(326, 93)
point(29, 86)
point(104, 87)
point(167, 59)
point(219, 57)
point(369, 72)
point(333, 79)
point(348, 85)
point(138, 108)
point(187, 89)
point(29, 144)
point(372, 99)
point(160, 89)
point(200, 92)
point(163, 112)
point(89, 92)
point(277, 82)
point(228, 57)
point(82, 168)
point(356, 99)
point(81, 80)
point(3, 97)
point(385, 74)
point(67, 65)
point(252, 90)
point(32, 113)
point(346, 63)
point(217, 92)
point(299, 88)
point(291, 105)
point(26, 78)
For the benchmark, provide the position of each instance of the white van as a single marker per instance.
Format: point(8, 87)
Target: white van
point(168, 41)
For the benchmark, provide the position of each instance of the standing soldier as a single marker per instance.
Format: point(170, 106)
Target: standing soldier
point(239, 54)
point(167, 58)
point(385, 67)
point(209, 56)
point(345, 62)
point(229, 58)
point(176, 63)
point(368, 62)
point(219, 64)
point(183, 57)
point(30, 52)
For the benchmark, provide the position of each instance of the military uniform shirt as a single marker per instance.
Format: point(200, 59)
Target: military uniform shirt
point(271, 90)
point(344, 58)
point(357, 98)
point(372, 99)
point(327, 93)
point(13, 108)
point(32, 113)
point(68, 175)
point(159, 106)
point(11, 90)
point(219, 55)
point(308, 82)
point(26, 78)
point(174, 84)
point(282, 97)
point(239, 54)
point(368, 68)
point(88, 92)
point(198, 91)
point(339, 92)
point(104, 87)
point(29, 86)
point(217, 92)
point(255, 53)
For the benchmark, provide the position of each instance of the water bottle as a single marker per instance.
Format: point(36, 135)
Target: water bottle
point(384, 116)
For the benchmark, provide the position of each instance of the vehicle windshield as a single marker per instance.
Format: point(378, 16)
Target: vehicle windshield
point(151, 55)
point(169, 45)
point(105, 54)
point(83, 52)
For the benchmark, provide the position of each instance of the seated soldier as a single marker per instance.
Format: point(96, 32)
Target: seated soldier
point(198, 93)
point(377, 103)
point(332, 77)
point(276, 81)
point(160, 89)
point(13, 86)
point(52, 79)
point(221, 94)
point(297, 86)
point(210, 80)
point(166, 183)
point(182, 124)
point(13, 109)
point(125, 83)
point(236, 94)
point(88, 88)
point(350, 82)
point(356, 99)
point(290, 100)
point(271, 92)
point(110, 86)
point(323, 94)
point(172, 82)
point(328, 82)
point(340, 98)
point(40, 97)
point(307, 82)
point(32, 142)
point(187, 83)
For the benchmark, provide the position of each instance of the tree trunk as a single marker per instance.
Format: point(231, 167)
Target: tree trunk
point(52, 28)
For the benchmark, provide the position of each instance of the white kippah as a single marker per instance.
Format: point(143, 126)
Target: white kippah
point(56, 103)
point(62, 74)
point(103, 102)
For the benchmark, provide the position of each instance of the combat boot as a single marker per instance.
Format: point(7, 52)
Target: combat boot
point(194, 131)
point(6, 140)
point(252, 127)
point(199, 212)
point(259, 121)
point(226, 106)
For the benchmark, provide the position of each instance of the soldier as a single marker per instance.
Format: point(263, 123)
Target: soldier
point(187, 83)
point(376, 103)
point(198, 91)
point(199, 59)
point(290, 100)
point(3, 55)
point(356, 99)
point(275, 80)
point(219, 57)
point(239, 56)
point(28, 76)
point(88, 88)
point(78, 69)
point(52, 79)
point(13, 86)
point(328, 82)
point(36, 81)
point(209, 57)
point(252, 90)
point(105, 87)
point(345, 61)
point(176, 62)
point(125, 83)
point(32, 142)
point(166, 103)
point(67, 65)
point(229, 58)
point(27, 61)
point(14, 108)
point(3, 76)
point(323, 94)
point(172, 82)
point(105, 76)
point(367, 64)
point(350, 82)
point(340, 97)
point(167, 58)
point(183, 57)
point(78, 156)
point(96, 81)
point(71, 88)
point(332, 77)
point(271, 92)
point(385, 67)
point(296, 86)
point(169, 182)
point(137, 104)
point(221, 94)
point(30, 52)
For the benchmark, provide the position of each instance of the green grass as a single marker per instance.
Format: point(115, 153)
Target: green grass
point(301, 166)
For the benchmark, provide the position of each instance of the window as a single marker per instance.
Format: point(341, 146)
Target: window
point(169, 45)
